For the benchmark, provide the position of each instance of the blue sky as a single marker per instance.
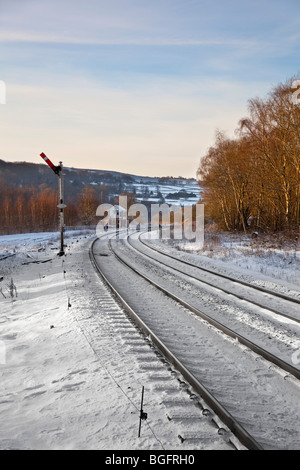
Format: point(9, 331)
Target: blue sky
point(139, 86)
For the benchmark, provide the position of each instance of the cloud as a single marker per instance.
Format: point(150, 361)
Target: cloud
point(123, 22)
point(9, 36)
point(163, 127)
point(134, 85)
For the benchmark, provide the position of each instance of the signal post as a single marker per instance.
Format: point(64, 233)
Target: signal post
point(61, 206)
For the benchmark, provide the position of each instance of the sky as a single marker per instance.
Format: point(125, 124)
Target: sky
point(137, 86)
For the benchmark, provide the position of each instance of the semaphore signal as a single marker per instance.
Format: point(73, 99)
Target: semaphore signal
point(58, 171)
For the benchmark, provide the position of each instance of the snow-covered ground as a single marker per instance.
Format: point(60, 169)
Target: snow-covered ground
point(69, 377)
point(266, 260)
point(72, 365)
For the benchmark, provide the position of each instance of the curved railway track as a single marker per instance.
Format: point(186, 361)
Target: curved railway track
point(220, 275)
point(290, 369)
point(224, 406)
point(239, 282)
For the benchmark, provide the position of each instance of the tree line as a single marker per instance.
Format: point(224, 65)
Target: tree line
point(34, 209)
point(253, 180)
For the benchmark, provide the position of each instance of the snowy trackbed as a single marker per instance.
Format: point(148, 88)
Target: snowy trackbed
point(73, 363)
point(232, 343)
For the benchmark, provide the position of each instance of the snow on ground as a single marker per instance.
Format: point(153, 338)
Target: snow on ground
point(268, 261)
point(69, 379)
point(71, 374)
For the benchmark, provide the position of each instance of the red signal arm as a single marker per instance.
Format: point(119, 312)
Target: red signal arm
point(56, 169)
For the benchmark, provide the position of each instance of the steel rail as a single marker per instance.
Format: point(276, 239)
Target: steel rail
point(225, 276)
point(226, 291)
point(236, 428)
point(220, 326)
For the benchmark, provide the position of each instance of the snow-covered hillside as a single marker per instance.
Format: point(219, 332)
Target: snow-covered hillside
point(181, 192)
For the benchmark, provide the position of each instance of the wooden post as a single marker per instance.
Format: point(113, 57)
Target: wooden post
point(143, 415)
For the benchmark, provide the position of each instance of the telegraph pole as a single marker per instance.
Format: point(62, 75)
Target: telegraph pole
point(61, 206)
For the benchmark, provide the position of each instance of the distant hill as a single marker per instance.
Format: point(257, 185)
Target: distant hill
point(109, 184)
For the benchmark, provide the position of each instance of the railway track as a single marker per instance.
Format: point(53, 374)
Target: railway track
point(290, 369)
point(247, 325)
point(219, 275)
point(266, 300)
point(221, 381)
point(252, 322)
